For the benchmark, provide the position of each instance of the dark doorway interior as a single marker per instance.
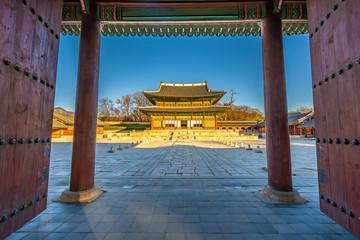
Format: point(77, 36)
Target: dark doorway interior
point(184, 124)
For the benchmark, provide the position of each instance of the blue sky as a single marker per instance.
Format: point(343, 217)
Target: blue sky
point(130, 64)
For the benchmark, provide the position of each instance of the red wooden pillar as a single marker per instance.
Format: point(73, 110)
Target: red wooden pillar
point(82, 178)
point(84, 144)
point(277, 128)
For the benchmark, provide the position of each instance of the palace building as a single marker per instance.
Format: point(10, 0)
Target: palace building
point(184, 106)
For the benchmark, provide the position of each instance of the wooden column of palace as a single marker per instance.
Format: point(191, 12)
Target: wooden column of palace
point(277, 129)
point(82, 182)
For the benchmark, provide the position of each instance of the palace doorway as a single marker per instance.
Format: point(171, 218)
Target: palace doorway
point(183, 124)
point(25, 131)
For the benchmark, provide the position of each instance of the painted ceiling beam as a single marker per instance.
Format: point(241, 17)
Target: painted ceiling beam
point(191, 21)
point(176, 4)
point(185, 4)
point(85, 5)
point(279, 6)
point(186, 29)
point(181, 3)
point(116, 13)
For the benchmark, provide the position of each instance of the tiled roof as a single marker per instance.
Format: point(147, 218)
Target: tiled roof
point(308, 124)
point(58, 125)
point(184, 90)
point(67, 117)
point(297, 119)
point(237, 123)
point(261, 124)
point(294, 118)
point(152, 109)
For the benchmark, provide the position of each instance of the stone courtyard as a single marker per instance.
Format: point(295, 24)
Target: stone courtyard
point(183, 189)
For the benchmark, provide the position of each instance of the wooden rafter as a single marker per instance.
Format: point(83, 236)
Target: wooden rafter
point(82, 3)
point(85, 5)
point(189, 4)
point(179, 18)
point(180, 4)
point(279, 6)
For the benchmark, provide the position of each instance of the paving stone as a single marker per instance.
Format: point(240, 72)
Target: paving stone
point(66, 227)
point(193, 228)
point(102, 227)
point(36, 236)
point(301, 228)
point(121, 227)
point(211, 228)
point(85, 227)
point(175, 227)
point(48, 227)
point(139, 227)
point(210, 196)
point(292, 237)
point(208, 218)
point(213, 236)
point(95, 236)
point(17, 236)
point(284, 228)
point(159, 218)
point(76, 236)
point(194, 236)
point(155, 236)
point(157, 227)
point(191, 218)
point(175, 236)
point(110, 218)
point(56, 236)
point(247, 228)
point(135, 236)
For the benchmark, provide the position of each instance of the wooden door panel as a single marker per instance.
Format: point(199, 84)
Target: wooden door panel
point(27, 92)
point(330, 98)
point(336, 80)
point(322, 155)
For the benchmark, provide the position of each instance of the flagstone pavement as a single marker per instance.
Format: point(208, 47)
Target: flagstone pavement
point(183, 189)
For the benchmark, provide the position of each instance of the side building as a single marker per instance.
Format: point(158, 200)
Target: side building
point(184, 106)
point(64, 120)
point(296, 122)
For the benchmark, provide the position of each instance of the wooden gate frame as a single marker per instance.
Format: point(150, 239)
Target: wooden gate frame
point(335, 58)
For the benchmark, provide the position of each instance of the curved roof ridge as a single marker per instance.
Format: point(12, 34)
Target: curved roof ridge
point(184, 90)
point(183, 84)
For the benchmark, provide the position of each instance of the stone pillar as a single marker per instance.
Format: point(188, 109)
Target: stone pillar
point(82, 187)
point(279, 186)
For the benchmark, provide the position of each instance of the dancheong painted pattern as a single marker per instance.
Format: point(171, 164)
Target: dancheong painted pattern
point(192, 19)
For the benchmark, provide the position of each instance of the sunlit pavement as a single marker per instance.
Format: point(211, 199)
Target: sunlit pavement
point(183, 190)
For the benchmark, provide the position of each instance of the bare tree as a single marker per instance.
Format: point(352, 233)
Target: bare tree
point(140, 101)
point(117, 113)
point(241, 113)
point(106, 109)
point(230, 99)
point(126, 105)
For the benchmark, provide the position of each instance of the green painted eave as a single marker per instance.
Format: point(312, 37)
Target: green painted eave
point(191, 29)
point(213, 99)
point(202, 20)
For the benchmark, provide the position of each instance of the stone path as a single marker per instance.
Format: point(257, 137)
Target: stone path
point(182, 190)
